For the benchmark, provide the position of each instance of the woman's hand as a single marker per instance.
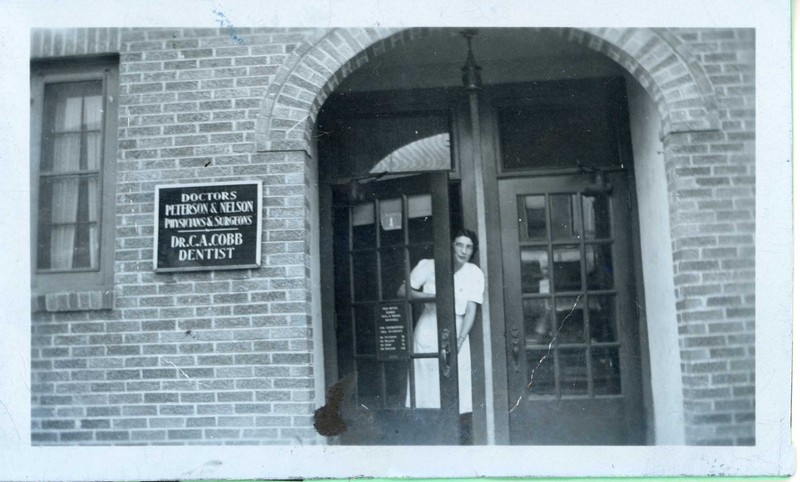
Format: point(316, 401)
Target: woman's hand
point(413, 294)
point(461, 340)
point(466, 325)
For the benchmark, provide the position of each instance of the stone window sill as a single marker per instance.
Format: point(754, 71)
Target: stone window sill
point(73, 301)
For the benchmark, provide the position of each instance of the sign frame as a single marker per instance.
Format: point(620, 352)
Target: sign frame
point(257, 211)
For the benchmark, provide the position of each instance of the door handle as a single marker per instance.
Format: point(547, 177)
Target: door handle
point(444, 353)
point(515, 348)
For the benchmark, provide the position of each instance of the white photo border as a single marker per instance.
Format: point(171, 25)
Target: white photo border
point(772, 454)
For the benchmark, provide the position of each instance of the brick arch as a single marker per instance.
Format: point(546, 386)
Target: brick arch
point(312, 72)
point(671, 74)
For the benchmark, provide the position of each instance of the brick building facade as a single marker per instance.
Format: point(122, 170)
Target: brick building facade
point(238, 356)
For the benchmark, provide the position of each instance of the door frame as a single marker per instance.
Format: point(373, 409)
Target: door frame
point(394, 424)
point(362, 104)
point(630, 401)
point(490, 388)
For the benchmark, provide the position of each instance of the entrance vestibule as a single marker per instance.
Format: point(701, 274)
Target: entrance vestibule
point(557, 356)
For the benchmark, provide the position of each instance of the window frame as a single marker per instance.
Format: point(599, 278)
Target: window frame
point(80, 280)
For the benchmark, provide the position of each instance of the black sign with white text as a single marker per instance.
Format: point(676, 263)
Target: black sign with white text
point(392, 332)
point(208, 226)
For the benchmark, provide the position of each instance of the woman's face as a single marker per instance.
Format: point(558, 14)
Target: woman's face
point(462, 249)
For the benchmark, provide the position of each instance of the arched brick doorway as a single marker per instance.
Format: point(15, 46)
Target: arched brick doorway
point(668, 71)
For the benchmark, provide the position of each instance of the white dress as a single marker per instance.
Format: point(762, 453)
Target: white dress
point(468, 284)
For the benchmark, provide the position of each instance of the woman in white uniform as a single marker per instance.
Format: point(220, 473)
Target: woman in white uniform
point(468, 284)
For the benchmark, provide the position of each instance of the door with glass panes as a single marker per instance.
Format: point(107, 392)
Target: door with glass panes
point(382, 229)
point(574, 373)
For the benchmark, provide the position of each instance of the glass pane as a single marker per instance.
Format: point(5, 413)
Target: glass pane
point(534, 221)
point(534, 137)
point(596, 217)
point(64, 199)
point(535, 270)
point(599, 267)
point(427, 344)
point(572, 371)
point(564, 216)
point(365, 329)
point(391, 217)
point(83, 251)
point(392, 271)
point(420, 219)
point(605, 371)
point(341, 256)
point(68, 102)
point(68, 246)
point(537, 315)
point(369, 384)
point(43, 248)
point(420, 206)
point(87, 200)
point(365, 276)
point(94, 241)
point(93, 112)
point(542, 375)
point(45, 218)
point(66, 153)
point(69, 109)
point(91, 184)
point(567, 268)
point(396, 383)
point(94, 148)
point(431, 153)
point(602, 318)
point(363, 220)
point(82, 255)
point(393, 143)
point(569, 320)
point(363, 214)
point(45, 200)
point(62, 247)
point(417, 254)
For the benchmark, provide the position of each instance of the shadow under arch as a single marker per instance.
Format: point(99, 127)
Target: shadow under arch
point(670, 73)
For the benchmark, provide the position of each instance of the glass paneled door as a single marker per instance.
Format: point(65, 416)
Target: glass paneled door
point(382, 230)
point(574, 370)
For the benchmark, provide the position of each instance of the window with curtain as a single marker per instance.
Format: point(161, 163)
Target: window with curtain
point(70, 176)
point(73, 154)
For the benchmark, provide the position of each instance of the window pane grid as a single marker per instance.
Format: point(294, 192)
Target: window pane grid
point(78, 223)
point(68, 223)
point(78, 131)
point(68, 174)
point(381, 247)
point(573, 351)
point(577, 344)
point(70, 177)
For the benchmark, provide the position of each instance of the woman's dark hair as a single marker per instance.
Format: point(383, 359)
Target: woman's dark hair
point(471, 235)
